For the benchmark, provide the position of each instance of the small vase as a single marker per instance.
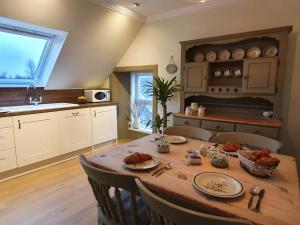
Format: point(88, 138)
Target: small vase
point(163, 149)
point(136, 124)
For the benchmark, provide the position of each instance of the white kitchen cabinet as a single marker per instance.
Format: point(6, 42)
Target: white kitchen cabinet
point(75, 129)
point(36, 137)
point(104, 124)
point(7, 145)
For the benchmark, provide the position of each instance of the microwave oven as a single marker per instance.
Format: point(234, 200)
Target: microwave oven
point(97, 95)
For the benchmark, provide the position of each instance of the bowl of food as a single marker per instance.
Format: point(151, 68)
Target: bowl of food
point(260, 163)
point(231, 148)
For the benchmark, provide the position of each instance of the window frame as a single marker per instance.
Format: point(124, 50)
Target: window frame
point(55, 40)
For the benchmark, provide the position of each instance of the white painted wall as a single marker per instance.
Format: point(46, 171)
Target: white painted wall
point(157, 41)
point(98, 37)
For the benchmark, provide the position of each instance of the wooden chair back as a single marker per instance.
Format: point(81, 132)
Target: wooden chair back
point(102, 181)
point(163, 212)
point(249, 139)
point(189, 131)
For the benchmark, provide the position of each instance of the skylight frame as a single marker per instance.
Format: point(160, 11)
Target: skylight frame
point(55, 40)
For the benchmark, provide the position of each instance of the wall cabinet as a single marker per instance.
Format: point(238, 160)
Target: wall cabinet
point(74, 129)
point(7, 145)
point(104, 124)
point(36, 137)
point(196, 77)
point(260, 75)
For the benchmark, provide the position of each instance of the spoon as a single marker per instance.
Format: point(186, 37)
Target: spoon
point(253, 191)
point(167, 167)
point(160, 169)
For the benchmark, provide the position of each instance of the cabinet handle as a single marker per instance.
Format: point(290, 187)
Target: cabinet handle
point(256, 132)
point(218, 127)
point(246, 77)
point(75, 113)
point(186, 122)
point(19, 122)
point(1, 137)
point(95, 113)
point(2, 159)
point(205, 78)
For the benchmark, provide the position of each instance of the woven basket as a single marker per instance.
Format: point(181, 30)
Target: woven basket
point(252, 167)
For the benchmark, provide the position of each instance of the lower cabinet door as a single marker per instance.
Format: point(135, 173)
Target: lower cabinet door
point(7, 159)
point(75, 129)
point(104, 124)
point(36, 137)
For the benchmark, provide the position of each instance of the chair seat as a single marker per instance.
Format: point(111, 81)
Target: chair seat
point(141, 208)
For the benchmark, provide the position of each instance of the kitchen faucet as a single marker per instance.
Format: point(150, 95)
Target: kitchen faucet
point(34, 98)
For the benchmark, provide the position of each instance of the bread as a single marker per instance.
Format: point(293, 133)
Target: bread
point(231, 147)
point(137, 157)
point(263, 157)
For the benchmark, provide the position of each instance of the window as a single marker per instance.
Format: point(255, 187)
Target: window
point(28, 53)
point(141, 104)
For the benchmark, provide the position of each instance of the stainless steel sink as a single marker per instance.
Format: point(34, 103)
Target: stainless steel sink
point(23, 108)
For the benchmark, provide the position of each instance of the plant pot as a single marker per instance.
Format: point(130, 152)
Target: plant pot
point(163, 149)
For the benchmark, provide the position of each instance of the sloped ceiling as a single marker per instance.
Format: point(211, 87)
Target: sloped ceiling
point(98, 37)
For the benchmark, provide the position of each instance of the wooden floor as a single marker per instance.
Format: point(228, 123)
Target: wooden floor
point(57, 195)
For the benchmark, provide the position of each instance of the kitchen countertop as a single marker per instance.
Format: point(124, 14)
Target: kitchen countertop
point(236, 119)
point(80, 106)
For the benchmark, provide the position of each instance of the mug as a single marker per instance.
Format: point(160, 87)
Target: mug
point(218, 73)
point(268, 113)
point(227, 73)
point(237, 72)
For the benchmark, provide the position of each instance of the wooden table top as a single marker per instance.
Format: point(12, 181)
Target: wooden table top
point(236, 119)
point(281, 204)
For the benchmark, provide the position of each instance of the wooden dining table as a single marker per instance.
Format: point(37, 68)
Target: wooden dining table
point(280, 205)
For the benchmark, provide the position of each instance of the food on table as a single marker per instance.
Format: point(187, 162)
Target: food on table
point(263, 157)
point(231, 147)
point(137, 157)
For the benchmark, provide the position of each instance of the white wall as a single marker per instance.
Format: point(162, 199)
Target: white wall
point(157, 41)
point(98, 37)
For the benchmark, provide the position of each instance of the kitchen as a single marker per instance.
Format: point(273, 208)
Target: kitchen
point(104, 50)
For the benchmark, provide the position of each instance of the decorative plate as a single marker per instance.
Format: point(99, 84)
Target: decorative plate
point(199, 57)
point(270, 51)
point(238, 53)
point(218, 185)
point(149, 164)
point(224, 54)
point(176, 139)
point(171, 67)
point(211, 56)
point(253, 52)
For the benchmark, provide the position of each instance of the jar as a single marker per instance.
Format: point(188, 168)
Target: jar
point(188, 111)
point(201, 111)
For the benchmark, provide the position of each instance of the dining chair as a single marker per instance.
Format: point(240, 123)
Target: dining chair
point(189, 131)
point(163, 212)
point(254, 140)
point(117, 196)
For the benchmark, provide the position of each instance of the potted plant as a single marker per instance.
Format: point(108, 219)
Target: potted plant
point(164, 91)
point(157, 123)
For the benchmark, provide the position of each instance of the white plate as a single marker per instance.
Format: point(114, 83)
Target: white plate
point(270, 51)
point(211, 56)
point(149, 164)
point(253, 52)
point(199, 57)
point(224, 54)
point(176, 139)
point(218, 185)
point(238, 53)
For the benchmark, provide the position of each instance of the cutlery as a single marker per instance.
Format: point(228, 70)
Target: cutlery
point(258, 204)
point(167, 167)
point(253, 191)
point(158, 170)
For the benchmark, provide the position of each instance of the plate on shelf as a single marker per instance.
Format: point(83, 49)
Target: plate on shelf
point(149, 164)
point(199, 57)
point(253, 52)
point(176, 139)
point(211, 56)
point(238, 53)
point(270, 51)
point(224, 54)
point(218, 185)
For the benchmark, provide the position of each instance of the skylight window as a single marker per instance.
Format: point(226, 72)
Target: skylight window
point(28, 53)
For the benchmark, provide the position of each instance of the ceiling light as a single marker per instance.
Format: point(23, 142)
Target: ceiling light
point(136, 4)
point(198, 1)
